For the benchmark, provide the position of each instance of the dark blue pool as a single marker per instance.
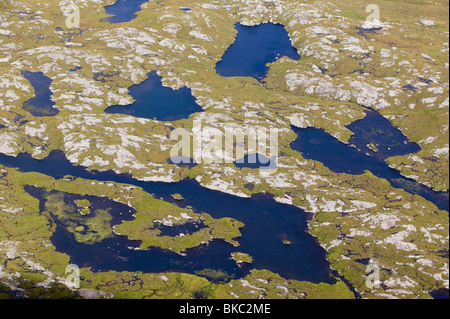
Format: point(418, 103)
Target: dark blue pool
point(255, 47)
point(41, 104)
point(155, 101)
point(377, 130)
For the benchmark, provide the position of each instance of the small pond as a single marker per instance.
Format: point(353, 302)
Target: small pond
point(155, 101)
point(123, 10)
point(41, 104)
point(254, 48)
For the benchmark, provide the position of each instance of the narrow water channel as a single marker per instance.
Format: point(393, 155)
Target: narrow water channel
point(316, 144)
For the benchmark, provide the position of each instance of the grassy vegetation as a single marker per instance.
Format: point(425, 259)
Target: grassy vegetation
point(241, 258)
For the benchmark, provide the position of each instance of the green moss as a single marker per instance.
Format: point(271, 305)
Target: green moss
point(96, 226)
point(85, 211)
point(242, 258)
point(178, 196)
point(272, 286)
point(373, 147)
point(83, 203)
point(215, 275)
point(79, 229)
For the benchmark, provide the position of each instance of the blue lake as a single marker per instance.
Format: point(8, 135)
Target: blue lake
point(316, 144)
point(253, 48)
point(123, 10)
point(267, 225)
point(155, 101)
point(388, 140)
point(440, 294)
point(41, 104)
